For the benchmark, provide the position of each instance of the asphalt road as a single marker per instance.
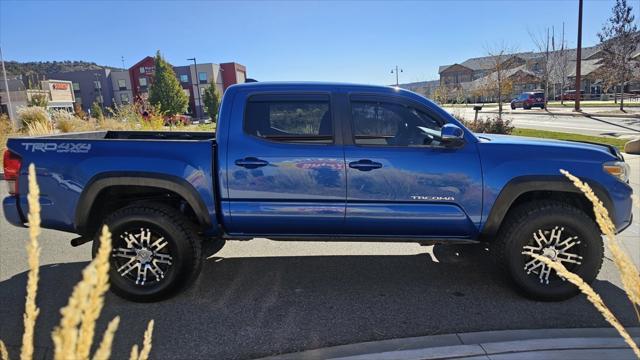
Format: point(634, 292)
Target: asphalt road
point(261, 297)
point(541, 120)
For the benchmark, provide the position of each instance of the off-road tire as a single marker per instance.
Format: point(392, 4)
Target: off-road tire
point(517, 231)
point(183, 242)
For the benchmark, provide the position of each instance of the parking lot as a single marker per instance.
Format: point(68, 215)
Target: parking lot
point(260, 297)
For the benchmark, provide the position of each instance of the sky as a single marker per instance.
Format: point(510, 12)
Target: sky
point(347, 41)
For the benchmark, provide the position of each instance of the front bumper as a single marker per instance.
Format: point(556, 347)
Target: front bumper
point(11, 209)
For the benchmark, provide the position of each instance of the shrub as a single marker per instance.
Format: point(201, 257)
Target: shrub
point(33, 114)
point(96, 111)
point(67, 122)
point(77, 109)
point(129, 115)
point(6, 129)
point(153, 122)
point(489, 125)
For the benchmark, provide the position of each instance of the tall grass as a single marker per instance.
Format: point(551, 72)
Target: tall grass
point(73, 337)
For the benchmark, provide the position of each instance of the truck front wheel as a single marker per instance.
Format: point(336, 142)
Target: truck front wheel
point(555, 230)
point(155, 252)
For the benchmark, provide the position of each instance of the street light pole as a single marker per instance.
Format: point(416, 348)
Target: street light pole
point(6, 87)
point(195, 69)
point(99, 86)
point(397, 73)
point(578, 58)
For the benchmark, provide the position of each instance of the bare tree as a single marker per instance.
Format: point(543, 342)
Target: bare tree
point(499, 54)
point(561, 67)
point(543, 44)
point(619, 39)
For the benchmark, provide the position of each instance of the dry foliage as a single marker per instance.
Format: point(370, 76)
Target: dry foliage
point(592, 296)
point(68, 122)
point(628, 272)
point(73, 337)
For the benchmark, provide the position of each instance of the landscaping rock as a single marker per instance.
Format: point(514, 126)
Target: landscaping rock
point(632, 147)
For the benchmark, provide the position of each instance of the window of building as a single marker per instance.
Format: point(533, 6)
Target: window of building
point(142, 69)
point(184, 78)
point(380, 123)
point(124, 98)
point(299, 119)
point(122, 84)
point(202, 77)
point(76, 86)
point(97, 84)
point(142, 81)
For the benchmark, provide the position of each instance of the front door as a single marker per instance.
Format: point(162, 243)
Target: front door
point(401, 180)
point(285, 172)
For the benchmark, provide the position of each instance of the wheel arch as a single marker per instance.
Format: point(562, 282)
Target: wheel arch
point(525, 188)
point(100, 185)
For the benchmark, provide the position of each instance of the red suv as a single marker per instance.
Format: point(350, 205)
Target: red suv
point(527, 100)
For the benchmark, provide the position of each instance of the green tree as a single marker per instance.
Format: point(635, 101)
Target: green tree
point(96, 111)
point(618, 40)
point(211, 102)
point(166, 94)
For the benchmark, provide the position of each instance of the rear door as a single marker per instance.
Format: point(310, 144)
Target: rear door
point(286, 172)
point(401, 180)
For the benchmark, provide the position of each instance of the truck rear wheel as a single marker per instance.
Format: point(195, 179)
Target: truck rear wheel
point(156, 251)
point(558, 231)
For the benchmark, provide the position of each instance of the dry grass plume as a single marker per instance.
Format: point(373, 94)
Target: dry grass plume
point(592, 296)
point(73, 337)
point(31, 311)
point(628, 272)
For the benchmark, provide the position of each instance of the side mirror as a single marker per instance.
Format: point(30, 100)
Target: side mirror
point(452, 135)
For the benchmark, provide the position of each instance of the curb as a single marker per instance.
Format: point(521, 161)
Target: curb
point(578, 114)
point(476, 345)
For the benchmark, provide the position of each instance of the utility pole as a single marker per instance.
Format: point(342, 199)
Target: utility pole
point(578, 58)
point(99, 88)
point(6, 87)
point(397, 71)
point(195, 69)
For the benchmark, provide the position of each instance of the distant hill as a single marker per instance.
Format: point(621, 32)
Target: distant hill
point(34, 71)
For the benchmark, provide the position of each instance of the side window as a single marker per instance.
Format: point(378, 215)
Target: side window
point(296, 120)
point(380, 123)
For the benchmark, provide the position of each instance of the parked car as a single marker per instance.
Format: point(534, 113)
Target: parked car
point(182, 119)
point(315, 161)
point(527, 100)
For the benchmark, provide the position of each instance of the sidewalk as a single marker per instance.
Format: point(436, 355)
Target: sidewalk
point(587, 343)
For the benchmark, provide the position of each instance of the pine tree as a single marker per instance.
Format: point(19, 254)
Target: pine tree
point(96, 111)
point(619, 39)
point(211, 102)
point(166, 94)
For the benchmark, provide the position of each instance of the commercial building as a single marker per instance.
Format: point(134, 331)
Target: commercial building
point(109, 87)
point(57, 93)
point(90, 86)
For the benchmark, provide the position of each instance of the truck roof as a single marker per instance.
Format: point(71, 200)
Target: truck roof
point(319, 85)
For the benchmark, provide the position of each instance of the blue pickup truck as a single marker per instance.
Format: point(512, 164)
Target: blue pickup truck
point(322, 162)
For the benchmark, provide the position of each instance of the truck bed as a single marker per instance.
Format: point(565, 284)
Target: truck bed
point(134, 135)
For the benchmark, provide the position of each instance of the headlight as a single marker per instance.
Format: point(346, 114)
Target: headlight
point(619, 169)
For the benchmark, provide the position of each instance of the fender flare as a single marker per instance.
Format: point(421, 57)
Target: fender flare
point(524, 184)
point(161, 181)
